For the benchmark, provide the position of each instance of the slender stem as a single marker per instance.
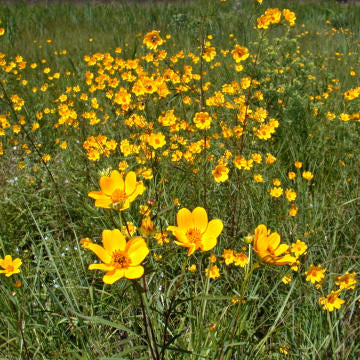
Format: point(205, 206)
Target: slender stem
point(168, 312)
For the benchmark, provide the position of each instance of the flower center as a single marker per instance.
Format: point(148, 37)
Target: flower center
point(10, 268)
point(120, 260)
point(193, 235)
point(118, 196)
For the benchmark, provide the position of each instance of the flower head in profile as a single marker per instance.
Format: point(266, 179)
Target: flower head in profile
point(153, 39)
point(119, 258)
point(116, 192)
point(267, 246)
point(10, 266)
point(194, 231)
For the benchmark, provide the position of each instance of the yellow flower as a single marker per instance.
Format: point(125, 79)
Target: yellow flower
point(290, 195)
point(212, 272)
point(194, 231)
point(10, 266)
point(268, 247)
point(119, 258)
point(240, 53)
point(202, 120)
point(153, 39)
point(346, 281)
point(307, 175)
point(298, 248)
point(147, 226)
point(315, 274)
point(298, 164)
point(229, 256)
point(156, 140)
point(241, 259)
point(117, 193)
point(220, 173)
point(276, 191)
point(332, 301)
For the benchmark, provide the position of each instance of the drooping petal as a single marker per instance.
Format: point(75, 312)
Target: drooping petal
point(273, 241)
point(98, 195)
point(215, 227)
point(184, 219)
point(104, 267)
point(192, 248)
point(179, 234)
point(134, 272)
point(130, 183)
point(139, 190)
point(103, 203)
point(200, 219)
point(113, 240)
point(112, 276)
point(285, 260)
point(136, 250)
point(99, 251)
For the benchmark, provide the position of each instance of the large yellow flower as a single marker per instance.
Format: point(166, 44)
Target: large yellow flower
point(117, 193)
point(153, 39)
point(194, 231)
point(119, 258)
point(269, 249)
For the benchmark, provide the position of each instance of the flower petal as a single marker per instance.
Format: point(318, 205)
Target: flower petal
point(134, 272)
point(130, 183)
point(99, 251)
point(113, 240)
point(112, 276)
point(273, 241)
point(107, 186)
point(208, 242)
point(184, 219)
point(214, 228)
point(200, 219)
point(136, 250)
point(104, 267)
point(117, 179)
point(281, 249)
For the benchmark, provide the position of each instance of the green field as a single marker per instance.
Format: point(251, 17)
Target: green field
point(221, 139)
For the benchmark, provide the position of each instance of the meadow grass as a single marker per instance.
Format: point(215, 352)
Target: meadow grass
point(60, 309)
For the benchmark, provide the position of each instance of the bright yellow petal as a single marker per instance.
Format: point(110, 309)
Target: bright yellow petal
point(285, 260)
point(136, 250)
point(117, 179)
point(179, 234)
point(273, 241)
point(107, 185)
point(103, 203)
point(98, 195)
point(113, 240)
point(140, 188)
point(112, 276)
point(134, 272)
point(99, 251)
point(215, 227)
point(185, 219)
point(17, 262)
point(130, 183)
point(281, 249)
point(260, 238)
point(200, 219)
point(208, 242)
point(104, 267)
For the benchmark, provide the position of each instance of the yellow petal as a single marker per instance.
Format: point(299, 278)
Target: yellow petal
point(99, 251)
point(98, 195)
point(208, 242)
point(140, 188)
point(281, 249)
point(112, 276)
point(285, 260)
point(185, 219)
point(134, 272)
point(200, 219)
point(107, 185)
point(17, 262)
point(104, 267)
point(179, 234)
point(214, 228)
point(106, 203)
point(130, 183)
point(136, 250)
point(260, 238)
point(117, 179)
point(113, 240)
point(273, 241)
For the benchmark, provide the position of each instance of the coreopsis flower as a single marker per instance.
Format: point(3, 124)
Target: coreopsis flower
point(156, 140)
point(298, 248)
point(289, 16)
point(212, 272)
point(315, 274)
point(119, 258)
point(298, 164)
point(332, 301)
point(147, 226)
point(194, 231)
point(220, 173)
point(229, 256)
point(240, 53)
point(346, 281)
point(268, 248)
point(10, 266)
point(276, 191)
point(202, 120)
point(116, 192)
point(290, 195)
point(153, 39)
point(307, 175)
point(241, 259)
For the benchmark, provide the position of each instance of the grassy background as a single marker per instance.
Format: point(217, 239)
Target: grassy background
point(66, 312)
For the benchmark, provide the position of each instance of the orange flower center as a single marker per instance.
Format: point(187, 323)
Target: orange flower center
point(193, 235)
point(10, 268)
point(120, 260)
point(118, 196)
